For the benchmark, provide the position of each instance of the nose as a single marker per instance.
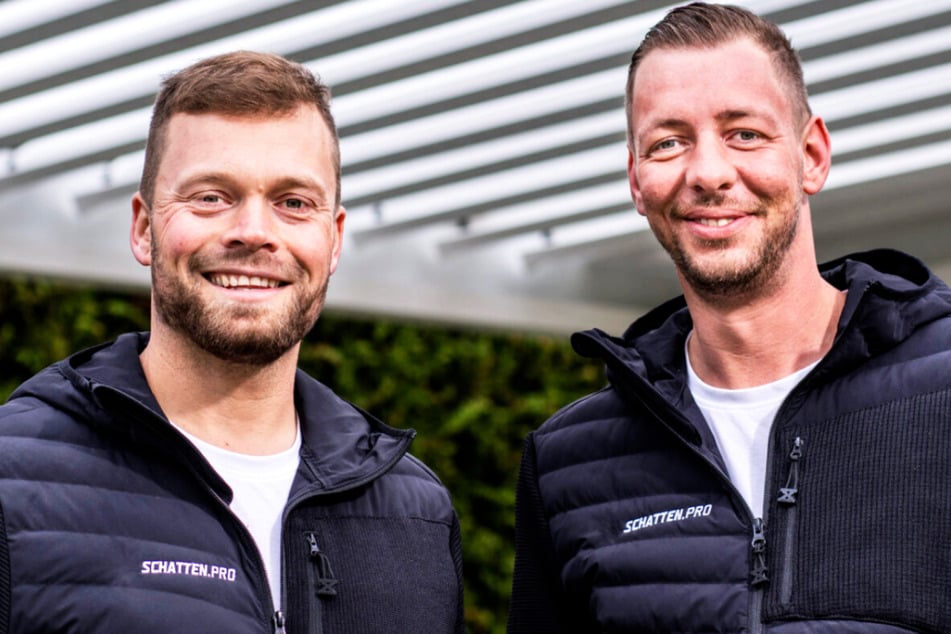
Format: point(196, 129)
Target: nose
point(709, 166)
point(252, 226)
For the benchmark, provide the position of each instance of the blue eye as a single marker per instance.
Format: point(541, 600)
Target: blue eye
point(667, 145)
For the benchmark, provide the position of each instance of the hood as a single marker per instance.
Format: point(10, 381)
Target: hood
point(76, 384)
point(344, 446)
point(890, 295)
point(651, 349)
point(105, 387)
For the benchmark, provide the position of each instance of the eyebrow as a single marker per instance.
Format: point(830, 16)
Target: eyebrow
point(724, 116)
point(225, 179)
point(293, 182)
point(667, 123)
point(733, 115)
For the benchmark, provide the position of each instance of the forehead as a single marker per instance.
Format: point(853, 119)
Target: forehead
point(303, 122)
point(299, 138)
point(735, 75)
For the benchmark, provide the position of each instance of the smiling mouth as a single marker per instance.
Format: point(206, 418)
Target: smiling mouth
point(715, 222)
point(243, 281)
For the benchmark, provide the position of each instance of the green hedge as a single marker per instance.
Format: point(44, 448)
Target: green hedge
point(471, 397)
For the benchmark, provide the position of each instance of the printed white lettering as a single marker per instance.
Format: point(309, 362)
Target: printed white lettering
point(663, 517)
point(188, 569)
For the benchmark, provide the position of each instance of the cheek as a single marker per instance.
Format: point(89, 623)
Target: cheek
point(312, 249)
point(177, 243)
point(772, 178)
point(770, 187)
point(657, 189)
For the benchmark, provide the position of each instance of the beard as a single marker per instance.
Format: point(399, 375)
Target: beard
point(243, 334)
point(728, 277)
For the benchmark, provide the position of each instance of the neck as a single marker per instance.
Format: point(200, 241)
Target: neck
point(243, 408)
point(765, 338)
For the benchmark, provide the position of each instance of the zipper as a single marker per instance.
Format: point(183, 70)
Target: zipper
point(759, 575)
point(758, 541)
point(314, 623)
point(279, 626)
point(192, 463)
point(759, 571)
point(326, 585)
point(322, 582)
point(277, 618)
point(787, 497)
point(787, 500)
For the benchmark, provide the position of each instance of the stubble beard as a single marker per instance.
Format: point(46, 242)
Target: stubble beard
point(733, 278)
point(219, 330)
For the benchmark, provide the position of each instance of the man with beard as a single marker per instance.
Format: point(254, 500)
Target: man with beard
point(770, 454)
point(192, 479)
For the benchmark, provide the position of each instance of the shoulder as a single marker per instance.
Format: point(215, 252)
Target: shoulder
point(581, 431)
point(417, 489)
point(595, 409)
point(39, 407)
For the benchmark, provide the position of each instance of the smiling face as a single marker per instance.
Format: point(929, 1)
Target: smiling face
point(243, 233)
point(721, 165)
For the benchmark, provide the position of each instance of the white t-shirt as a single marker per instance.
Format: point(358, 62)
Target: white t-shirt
point(741, 421)
point(260, 485)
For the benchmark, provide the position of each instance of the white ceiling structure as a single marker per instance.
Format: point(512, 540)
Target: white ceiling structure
point(482, 141)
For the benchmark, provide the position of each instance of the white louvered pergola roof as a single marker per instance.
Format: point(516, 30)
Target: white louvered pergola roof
point(482, 141)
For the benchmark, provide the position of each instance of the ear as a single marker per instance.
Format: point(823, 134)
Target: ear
point(816, 156)
point(140, 234)
point(338, 222)
point(632, 180)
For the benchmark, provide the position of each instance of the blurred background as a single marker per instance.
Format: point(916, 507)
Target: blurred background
point(484, 163)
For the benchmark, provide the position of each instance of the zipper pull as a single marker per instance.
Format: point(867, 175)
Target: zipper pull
point(326, 582)
point(760, 574)
point(312, 542)
point(279, 623)
point(787, 494)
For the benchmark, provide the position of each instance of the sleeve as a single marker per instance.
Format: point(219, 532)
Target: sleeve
point(538, 602)
point(6, 591)
point(455, 547)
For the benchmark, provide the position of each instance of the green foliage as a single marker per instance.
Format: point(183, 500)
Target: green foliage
point(42, 322)
point(471, 397)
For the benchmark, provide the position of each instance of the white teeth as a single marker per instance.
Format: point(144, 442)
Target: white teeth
point(259, 282)
point(715, 222)
point(235, 281)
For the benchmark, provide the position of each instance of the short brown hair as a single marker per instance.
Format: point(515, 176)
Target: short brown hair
point(241, 83)
point(702, 25)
